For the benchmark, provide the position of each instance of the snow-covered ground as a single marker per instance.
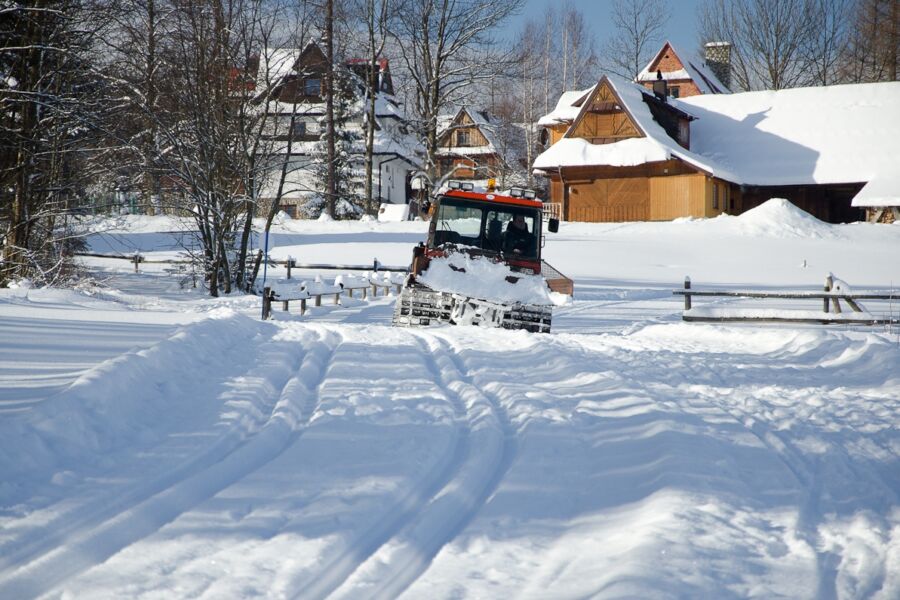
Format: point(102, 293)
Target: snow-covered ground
point(155, 443)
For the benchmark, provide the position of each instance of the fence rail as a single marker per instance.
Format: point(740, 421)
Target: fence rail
point(833, 293)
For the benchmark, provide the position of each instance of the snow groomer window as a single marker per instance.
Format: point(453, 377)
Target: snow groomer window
point(458, 225)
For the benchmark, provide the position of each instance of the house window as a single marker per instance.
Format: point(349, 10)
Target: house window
point(312, 87)
point(715, 196)
point(675, 91)
point(299, 129)
point(462, 137)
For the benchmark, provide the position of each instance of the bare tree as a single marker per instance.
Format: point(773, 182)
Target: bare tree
point(874, 45)
point(375, 17)
point(639, 25)
point(579, 54)
point(51, 110)
point(446, 48)
point(768, 38)
point(828, 39)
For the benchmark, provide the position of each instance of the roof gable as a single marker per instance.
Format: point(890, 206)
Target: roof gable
point(676, 65)
point(603, 117)
point(466, 118)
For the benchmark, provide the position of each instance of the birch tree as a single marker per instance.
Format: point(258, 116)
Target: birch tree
point(638, 29)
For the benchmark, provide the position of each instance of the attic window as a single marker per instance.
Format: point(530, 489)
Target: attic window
point(312, 87)
point(462, 138)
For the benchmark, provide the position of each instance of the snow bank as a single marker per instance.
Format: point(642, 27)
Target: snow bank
point(120, 402)
point(482, 278)
point(779, 218)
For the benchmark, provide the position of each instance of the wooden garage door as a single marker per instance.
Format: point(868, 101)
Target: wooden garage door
point(610, 200)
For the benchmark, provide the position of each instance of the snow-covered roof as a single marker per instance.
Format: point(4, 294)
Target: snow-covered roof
point(833, 134)
point(480, 121)
point(567, 108)
point(823, 135)
point(655, 146)
point(882, 190)
point(694, 69)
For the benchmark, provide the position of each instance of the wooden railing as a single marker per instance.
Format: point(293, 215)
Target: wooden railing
point(834, 292)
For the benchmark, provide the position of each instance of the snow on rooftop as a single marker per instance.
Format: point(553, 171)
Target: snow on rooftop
point(882, 190)
point(567, 108)
point(834, 134)
point(695, 69)
point(656, 146)
point(577, 151)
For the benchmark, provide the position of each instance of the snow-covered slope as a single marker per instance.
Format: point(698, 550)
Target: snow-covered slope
point(156, 443)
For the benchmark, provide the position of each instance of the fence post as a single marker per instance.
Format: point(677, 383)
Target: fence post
point(687, 294)
point(267, 303)
point(289, 263)
point(828, 282)
point(137, 260)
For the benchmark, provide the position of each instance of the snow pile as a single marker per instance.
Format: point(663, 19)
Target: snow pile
point(480, 277)
point(777, 217)
point(393, 212)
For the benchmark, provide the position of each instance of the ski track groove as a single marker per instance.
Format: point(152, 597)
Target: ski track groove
point(492, 440)
point(360, 549)
point(92, 540)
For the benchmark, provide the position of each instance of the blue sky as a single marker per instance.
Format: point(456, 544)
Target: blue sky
point(681, 29)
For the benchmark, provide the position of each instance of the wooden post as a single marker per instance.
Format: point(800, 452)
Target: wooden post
point(350, 291)
point(687, 295)
point(365, 292)
point(303, 306)
point(827, 288)
point(374, 291)
point(284, 305)
point(267, 303)
point(137, 261)
point(289, 263)
point(318, 299)
point(337, 298)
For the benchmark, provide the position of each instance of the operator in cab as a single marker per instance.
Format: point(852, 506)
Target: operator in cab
point(518, 240)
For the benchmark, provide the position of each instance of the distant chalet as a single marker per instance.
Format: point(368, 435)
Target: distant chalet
point(621, 152)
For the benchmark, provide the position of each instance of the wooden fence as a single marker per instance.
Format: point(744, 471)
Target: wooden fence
point(833, 294)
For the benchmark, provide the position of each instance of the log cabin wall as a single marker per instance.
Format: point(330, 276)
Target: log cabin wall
point(652, 192)
point(678, 196)
point(826, 202)
point(463, 134)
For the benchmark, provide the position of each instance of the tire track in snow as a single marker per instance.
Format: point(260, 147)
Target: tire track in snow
point(241, 451)
point(360, 549)
point(405, 557)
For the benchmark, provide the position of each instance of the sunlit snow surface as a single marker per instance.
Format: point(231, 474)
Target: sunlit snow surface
point(156, 443)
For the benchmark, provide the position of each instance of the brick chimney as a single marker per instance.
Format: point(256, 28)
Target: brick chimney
point(718, 58)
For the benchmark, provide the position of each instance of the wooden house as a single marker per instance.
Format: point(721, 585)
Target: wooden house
point(631, 154)
point(296, 105)
point(467, 148)
point(687, 75)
